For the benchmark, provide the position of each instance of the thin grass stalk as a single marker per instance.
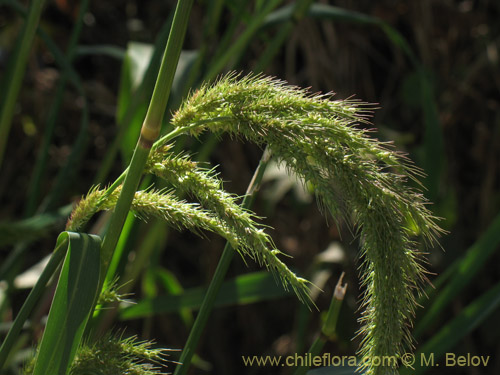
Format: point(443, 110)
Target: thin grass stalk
point(149, 132)
point(329, 325)
point(219, 275)
point(209, 35)
point(41, 161)
point(16, 78)
point(15, 257)
point(77, 149)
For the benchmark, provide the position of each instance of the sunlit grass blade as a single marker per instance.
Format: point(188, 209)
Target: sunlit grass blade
point(242, 290)
point(73, 302)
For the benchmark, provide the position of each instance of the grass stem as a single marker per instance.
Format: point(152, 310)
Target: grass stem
point(220, 273)
point(149, 132)
point(329, 325)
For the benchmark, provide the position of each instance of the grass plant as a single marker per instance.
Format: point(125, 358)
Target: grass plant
point(353, 175)
point(357, 180)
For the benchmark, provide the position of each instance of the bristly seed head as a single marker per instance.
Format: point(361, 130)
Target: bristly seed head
point(355, 177)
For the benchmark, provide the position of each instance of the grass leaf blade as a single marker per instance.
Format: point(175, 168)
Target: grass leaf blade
point(242, 290)
point(73, 301)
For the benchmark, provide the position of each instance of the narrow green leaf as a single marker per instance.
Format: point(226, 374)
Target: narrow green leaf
point(73, 301)
point(112, 51)
point(13, 232)
point(245, 289)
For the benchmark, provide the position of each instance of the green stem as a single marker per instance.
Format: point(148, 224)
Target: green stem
point(120, 212)
point(163, 140)
point(161, 92)
point(16, 78)
point(31, 300)
point(329, 325)
point(149, 132)
point(218, 278)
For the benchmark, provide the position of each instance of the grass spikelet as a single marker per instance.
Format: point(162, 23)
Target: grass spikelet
point(85, 209)
point(221, 215)
point(113, 355)
point(202, 184)
point(354, 176)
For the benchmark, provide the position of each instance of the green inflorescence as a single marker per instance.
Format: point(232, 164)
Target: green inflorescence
point(355, 177)
point(115, 355)
point(231, 222)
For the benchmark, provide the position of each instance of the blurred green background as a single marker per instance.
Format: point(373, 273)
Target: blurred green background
point(431, 67)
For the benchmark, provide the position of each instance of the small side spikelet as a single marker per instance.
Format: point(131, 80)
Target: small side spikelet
point(355, 177)
point(224, 217)
point(113, 355)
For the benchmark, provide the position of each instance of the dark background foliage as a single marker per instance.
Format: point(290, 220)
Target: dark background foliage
point(457, 44)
